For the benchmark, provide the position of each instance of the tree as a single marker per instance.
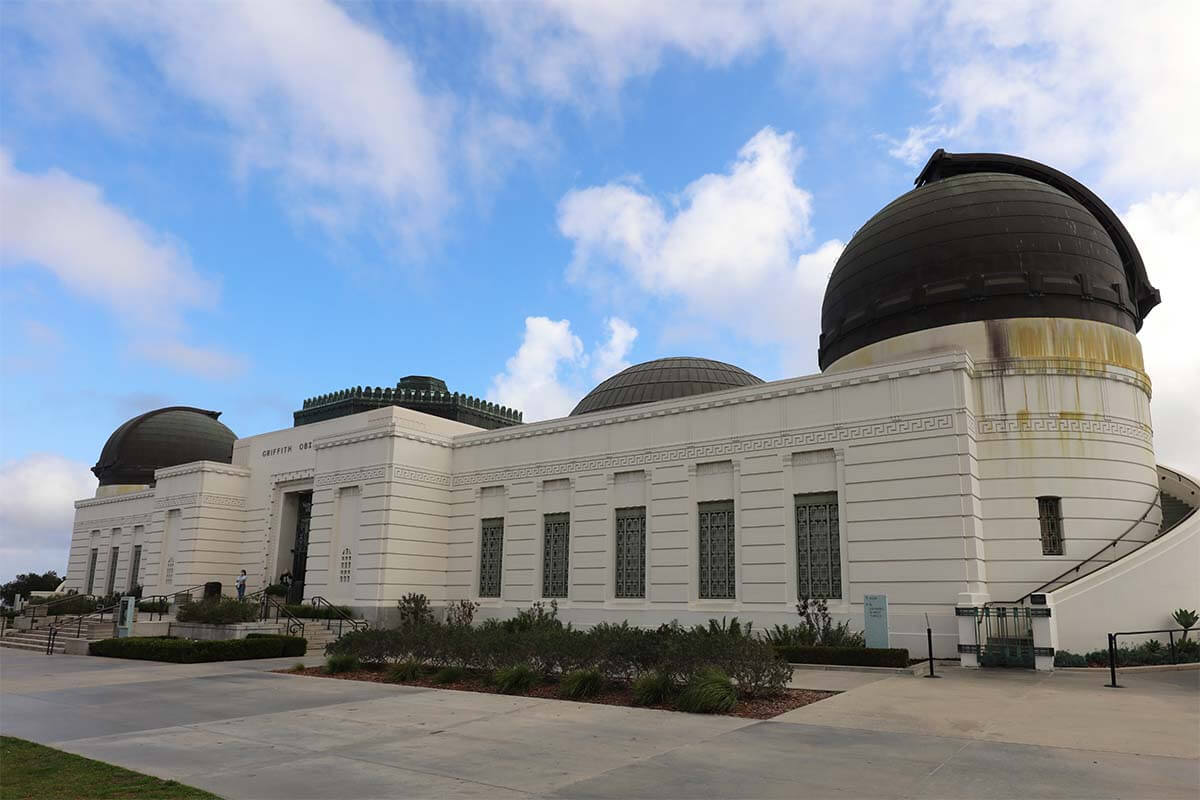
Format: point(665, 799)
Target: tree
point(27, 582)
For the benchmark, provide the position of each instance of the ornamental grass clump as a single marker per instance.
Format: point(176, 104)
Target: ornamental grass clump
point(341, 662)
point(653, 689)
point(405, 671)
point(516, 679)
point(709, 691)
point(581, 683)
point(449, 674)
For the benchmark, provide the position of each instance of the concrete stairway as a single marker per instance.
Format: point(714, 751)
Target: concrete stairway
point(318, 635)
point(36, 640)
point(1173, 510)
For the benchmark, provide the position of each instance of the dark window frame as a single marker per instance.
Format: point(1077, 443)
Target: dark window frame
point(818, 568)
point(491, 560)
point(629, 553)
point(556, 555)
point(716, 528)
point(1050, 525)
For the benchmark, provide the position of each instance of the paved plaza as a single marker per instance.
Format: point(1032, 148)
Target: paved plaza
point(242, 731)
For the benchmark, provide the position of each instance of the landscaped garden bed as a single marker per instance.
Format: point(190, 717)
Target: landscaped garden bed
point(193, 651)
point(611, 695)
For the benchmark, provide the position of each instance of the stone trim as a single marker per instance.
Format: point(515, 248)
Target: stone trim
point(713, 450)
point(111, 522)
point(200, 499)
point(350, 476)
point(293, 475)
point(1002, 425)
point(201, 466)
point(91, 502)
point(390, 429)
point(420, 476)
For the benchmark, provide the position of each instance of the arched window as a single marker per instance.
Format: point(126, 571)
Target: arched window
point(170, 571)
point(344, 572)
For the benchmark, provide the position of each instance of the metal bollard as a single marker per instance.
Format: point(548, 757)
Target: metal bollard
point(1112, 661)
point(929, 640)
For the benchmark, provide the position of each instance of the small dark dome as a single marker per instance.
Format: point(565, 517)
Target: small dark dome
point(163, 438)
point(984, 236)
point(664, 379)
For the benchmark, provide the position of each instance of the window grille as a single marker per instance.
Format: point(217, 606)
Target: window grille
point(170, 571)
point(344, 570)
point(111, 585)
point(1050, 518)
point(91, 573)
point(718, 563)
point(555, 555)
point(491, 556)
point(135, 566)
point(818, 546)
point(631, 552)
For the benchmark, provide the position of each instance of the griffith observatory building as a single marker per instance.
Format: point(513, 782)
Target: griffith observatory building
point(979, 436)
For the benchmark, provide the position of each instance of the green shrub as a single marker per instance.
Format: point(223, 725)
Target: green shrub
point(537, 616)
point(217, 611)
point(850, 656)
point(154, 606)
point(414, 610)
point(341, 663)
point(709, 691)
point(1151, 653)
point(405, 671)
point(292, 645)
point(297, 667)
point(449, 675)
point(276, 590)
point(1186, 619)
point(757, 669)
point(653, 689)
point(71, 605)
point(191, 651)
point(516, 679)
point(580, 684)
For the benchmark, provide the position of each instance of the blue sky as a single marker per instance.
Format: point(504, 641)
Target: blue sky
point(237, 206)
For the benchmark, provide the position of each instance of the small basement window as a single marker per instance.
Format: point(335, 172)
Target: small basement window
point(1051, 521)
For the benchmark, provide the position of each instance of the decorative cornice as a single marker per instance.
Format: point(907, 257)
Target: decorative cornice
point(292, 475)
point(799, 438)
point(91, 502)
point(1002, 425)
point(420, 476)
point(959, 360)
point(200, 499)
point(350, 476)
point(213, 467)
point(389, 429)
point(111, 522)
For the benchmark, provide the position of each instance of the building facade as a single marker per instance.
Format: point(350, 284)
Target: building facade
point(980, 427)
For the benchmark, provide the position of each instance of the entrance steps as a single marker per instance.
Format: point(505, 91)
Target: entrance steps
point(36, 640)
point(318, 635)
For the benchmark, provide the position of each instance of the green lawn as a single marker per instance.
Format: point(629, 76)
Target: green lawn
point(29, 770)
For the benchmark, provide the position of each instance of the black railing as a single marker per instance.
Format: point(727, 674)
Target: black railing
point(268, 605)
point(1089, 559)
point(1112, 649)
point(33, 611)
point(337, 614)
point(78, 621)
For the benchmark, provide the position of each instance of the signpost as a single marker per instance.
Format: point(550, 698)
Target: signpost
point(125, 616)
point(875, 620)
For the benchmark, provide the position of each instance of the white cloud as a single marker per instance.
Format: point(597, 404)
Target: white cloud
point(1167, 231)
point(325, 104)
point(731, 246)
point(1070, 85)
point(545, 378)
point(94, 249)
point(36, 510)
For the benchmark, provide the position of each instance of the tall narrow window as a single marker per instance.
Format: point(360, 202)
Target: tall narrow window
point(818, 546)
point(1050, 518)
point(170, 571)
point(344, 568)
point(631, 552)
point(134, 566)
point(556, 544)
point(491, 556)
point(91, 573)
point(718, 563)
point(111, 585)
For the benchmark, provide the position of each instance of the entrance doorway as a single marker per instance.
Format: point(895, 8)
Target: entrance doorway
point(1005, 637)
point(300, 546)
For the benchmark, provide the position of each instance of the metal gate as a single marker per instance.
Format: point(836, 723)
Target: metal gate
point(300, 549)
point(1004, 636)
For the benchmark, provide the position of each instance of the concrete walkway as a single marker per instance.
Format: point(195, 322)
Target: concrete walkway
point(242, 731)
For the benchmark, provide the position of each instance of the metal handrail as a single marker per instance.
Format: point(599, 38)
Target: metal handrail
point(1092, 557)
point(55, 627)
point(294, 626)
point(168, 599)
point(31, 610)
point(342, 616)
point(1112, 648)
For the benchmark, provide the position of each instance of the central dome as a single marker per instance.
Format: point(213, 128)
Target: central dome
point(664, 379)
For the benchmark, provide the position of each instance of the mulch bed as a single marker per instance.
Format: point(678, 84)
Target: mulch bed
point(761, 708)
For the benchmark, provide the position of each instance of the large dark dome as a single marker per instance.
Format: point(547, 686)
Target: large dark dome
point(664, 379)
point(984, 236)
point(162, 438)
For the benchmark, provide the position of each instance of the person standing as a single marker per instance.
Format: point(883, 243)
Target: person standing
point(241, 585)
